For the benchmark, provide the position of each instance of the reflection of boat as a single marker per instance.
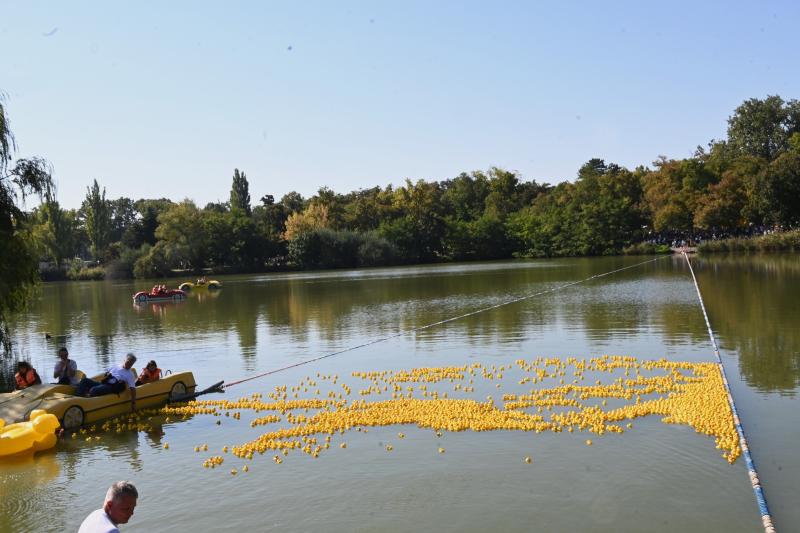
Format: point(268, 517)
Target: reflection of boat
point(35, 435)
point(200, 285)
point(74, 411)
point(159, 294)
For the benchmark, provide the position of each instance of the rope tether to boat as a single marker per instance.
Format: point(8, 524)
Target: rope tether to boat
point(766, 518)
point(439, 323)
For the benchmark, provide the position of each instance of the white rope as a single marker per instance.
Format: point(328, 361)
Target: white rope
point(439, 323)
point(766, 518)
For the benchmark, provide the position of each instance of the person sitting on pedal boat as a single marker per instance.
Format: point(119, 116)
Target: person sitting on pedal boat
point(26, 376)
point(150, 374)
point(114, 381)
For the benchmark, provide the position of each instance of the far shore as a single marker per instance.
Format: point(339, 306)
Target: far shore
point(786, 241)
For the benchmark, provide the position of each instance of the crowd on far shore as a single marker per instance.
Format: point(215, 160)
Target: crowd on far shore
point(680, 239)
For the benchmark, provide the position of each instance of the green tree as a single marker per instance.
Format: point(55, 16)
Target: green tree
point(781, 182)
point(240, 192)
point(18, 265)
point(57, 230)
point(464, 196)
point(762, 128)
point(293, 202)
point(271, 217)
point(143, 231)
point(502, 198)
point(672, 191)
point(333, 204)
point(97, 215)
point(123, 216)
point(419, 229)
point(185, 241)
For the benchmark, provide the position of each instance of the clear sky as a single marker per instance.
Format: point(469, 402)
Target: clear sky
point(165, 99)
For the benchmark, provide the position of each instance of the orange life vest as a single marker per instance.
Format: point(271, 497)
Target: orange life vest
point(30, 378)
point(147, 375)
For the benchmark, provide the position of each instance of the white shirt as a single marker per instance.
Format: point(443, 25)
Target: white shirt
point(121, 373)
point(72, 365)
point(98, 522)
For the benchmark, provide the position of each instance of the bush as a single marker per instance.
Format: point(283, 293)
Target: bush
point(376, 251)
point(646, 248)
point(52, 273)
point(786, 241)
point(123, 266)
point(152, 264)
point(325, 248)
point(96, 273)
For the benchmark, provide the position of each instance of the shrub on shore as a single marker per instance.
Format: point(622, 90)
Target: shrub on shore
point(774, 242)
point(646, 248)
point(97, 273)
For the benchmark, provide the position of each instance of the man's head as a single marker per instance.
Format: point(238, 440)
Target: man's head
point(63, 353)
point(120, 501)
point(130, 359)
point(23, 366)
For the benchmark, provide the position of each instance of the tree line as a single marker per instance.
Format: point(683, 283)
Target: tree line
point(751, 178)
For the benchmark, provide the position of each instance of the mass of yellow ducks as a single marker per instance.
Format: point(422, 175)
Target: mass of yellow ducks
point(679, 392)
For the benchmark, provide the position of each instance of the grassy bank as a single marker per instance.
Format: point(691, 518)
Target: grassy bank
point(646, 248)
point(787, 241)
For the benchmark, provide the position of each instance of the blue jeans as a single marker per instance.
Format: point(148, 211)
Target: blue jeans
point(96, 388)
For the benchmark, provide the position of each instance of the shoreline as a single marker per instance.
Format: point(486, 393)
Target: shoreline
point(787, 241)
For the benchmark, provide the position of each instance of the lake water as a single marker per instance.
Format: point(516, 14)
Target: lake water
point(656, 477)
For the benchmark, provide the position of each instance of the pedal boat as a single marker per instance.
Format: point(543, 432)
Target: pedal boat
point(170, 295)
point(74, 411)
point(210, 285)
point(33, 436)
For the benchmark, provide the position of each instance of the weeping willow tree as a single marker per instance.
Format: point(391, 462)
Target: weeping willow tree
point(18, 266)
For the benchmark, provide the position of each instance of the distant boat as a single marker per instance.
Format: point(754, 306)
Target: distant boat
point(200, 284)
point(159, 294)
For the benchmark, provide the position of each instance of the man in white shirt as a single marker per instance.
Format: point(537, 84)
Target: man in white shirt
point(114, 382)
point(65, 369)
point(117, 509)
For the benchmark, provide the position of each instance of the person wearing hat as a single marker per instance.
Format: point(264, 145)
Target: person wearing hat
point(66, 369)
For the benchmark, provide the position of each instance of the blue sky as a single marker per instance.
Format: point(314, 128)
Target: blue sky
point(167, 98)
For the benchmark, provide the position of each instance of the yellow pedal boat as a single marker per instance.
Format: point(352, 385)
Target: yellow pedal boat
point(35, 435)
point(200, 285)
point(74, 411)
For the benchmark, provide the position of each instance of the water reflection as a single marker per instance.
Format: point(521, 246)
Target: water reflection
point(752, 303)
point(750, 298)
point(258, 323)
point(30, 475)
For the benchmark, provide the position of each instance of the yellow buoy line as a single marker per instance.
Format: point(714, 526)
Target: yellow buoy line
point(601, 395)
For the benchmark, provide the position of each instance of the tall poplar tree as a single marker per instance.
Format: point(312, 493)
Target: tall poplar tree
point(240, 192)
point(97, 211)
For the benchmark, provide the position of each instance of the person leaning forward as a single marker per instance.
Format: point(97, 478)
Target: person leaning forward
point(114, 381)
point(66, 369)
point(117, 509)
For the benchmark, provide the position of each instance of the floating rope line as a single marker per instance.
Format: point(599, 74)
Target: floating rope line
point(766, 518)
point(439, 323)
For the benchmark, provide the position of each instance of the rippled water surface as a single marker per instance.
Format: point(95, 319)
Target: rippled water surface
point(655, 477)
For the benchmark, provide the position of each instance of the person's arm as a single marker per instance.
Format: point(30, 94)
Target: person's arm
point(57, 370)
point(71, 369)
